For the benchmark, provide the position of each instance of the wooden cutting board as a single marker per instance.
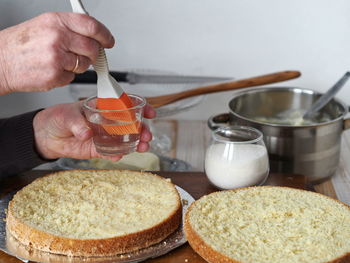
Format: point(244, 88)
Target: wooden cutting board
point(195, 183)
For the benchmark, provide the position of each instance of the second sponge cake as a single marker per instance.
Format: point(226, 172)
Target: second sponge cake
point(269, 225)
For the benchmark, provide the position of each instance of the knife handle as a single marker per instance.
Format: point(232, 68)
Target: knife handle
point(90, 77)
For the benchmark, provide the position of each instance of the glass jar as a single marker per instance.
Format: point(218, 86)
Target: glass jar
point(236, 157)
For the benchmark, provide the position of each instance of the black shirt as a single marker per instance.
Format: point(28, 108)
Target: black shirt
point(17, 147)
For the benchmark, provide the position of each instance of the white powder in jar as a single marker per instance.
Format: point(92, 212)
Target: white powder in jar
point(231, 165)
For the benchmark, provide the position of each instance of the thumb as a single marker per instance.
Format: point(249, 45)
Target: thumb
point(81, 131)
point(78, 125)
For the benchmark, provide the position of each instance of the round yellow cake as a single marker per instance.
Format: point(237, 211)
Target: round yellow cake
point(269, 225)
point(94, 212)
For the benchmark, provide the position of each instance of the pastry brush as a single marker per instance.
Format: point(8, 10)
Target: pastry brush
point(110, 95)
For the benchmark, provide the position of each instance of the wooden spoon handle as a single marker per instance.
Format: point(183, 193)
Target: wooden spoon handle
point(249, 82)
point(243, 83)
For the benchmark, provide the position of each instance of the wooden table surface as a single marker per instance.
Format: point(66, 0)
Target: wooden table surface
point(189, 141)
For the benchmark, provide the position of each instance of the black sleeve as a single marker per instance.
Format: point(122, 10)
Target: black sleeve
point(17, 150)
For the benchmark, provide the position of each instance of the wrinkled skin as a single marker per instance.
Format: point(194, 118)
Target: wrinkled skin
point(40, 54)
point(61, 131)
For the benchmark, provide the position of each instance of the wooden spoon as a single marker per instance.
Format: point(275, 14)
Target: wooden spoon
point(159, 101)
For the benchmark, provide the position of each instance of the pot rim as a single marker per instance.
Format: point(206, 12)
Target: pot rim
point(288, 88)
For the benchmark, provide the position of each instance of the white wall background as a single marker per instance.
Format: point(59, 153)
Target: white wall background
point(208, 37)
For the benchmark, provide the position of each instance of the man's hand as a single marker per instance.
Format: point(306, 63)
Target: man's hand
point(41, 53)
point(62, 131)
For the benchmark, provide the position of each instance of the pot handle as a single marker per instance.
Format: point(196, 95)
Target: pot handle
point(219, 120)
point(346, 124)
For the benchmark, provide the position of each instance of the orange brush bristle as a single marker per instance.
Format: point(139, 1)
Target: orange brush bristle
point(130, 128)
point(131, 125)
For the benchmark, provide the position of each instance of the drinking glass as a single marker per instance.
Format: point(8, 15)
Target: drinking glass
point(115, 131)
point(236, 157)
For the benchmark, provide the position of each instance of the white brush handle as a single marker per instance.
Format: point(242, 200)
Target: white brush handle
point(78, 7)
point(107, 86)
point(101, 64)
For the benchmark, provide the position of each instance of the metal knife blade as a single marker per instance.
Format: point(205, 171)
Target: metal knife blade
point(134, 78)
point(90, 77)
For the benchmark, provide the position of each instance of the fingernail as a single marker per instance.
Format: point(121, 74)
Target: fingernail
point(85, 133)
point(112, 40)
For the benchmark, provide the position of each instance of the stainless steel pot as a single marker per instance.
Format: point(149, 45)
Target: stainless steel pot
point(311, 150)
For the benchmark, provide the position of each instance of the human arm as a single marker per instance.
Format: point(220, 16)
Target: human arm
point(17, 144)
point(58, 131)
